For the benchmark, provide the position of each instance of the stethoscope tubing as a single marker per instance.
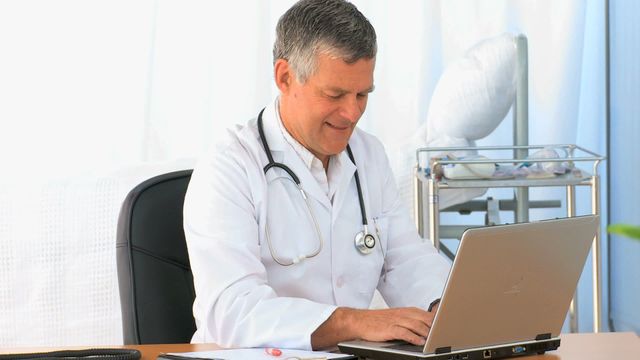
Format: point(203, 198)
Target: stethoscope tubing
point(362, 239)
point(293, 175)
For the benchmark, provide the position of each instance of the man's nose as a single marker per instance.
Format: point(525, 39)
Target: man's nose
point(352, 109)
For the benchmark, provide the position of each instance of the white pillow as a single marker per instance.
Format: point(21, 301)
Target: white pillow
point(471, 98)
point(474, 93)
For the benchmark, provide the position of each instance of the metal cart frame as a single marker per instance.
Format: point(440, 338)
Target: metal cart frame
point(428, 186)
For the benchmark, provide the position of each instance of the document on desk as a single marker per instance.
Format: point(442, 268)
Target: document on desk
point(255, 354)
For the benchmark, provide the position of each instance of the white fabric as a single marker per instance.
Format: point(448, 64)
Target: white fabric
point(474, 93)
point(243, 297)
point(471, 98)
point(57, 262)
point(58, 278)
point(402, 157)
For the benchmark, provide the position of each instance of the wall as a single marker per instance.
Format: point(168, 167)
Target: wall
point(624, 155)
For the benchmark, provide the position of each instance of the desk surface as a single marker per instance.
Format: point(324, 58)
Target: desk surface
point(572, 347)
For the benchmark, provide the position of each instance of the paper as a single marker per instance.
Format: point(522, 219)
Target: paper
point(260, 354)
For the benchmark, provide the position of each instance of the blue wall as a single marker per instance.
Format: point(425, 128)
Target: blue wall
point(624, 158)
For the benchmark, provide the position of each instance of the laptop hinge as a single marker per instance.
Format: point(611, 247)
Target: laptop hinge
point(443, 350)
point(545, 336)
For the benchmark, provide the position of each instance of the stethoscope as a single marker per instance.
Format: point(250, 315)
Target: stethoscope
point(365, 241)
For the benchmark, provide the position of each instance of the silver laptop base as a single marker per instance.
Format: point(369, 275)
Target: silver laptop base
point(498, 352)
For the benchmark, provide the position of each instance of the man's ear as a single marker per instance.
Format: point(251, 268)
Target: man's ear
point(283, 74)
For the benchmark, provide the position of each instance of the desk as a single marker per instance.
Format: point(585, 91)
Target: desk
point(572, 347)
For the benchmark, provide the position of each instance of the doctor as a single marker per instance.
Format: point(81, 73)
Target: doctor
point(294, 220)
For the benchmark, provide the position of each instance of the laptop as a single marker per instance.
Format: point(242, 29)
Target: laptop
point(507, 294)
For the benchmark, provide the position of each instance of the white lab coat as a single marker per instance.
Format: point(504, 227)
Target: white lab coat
point(244, 298)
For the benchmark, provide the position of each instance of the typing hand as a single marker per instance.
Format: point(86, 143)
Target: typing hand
point(409, 324)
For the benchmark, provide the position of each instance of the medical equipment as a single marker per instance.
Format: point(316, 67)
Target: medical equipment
point(114, 354)
point(365, 241)
point(522, 170)
point(482, 167)
point(468, 171)
point(429, 186)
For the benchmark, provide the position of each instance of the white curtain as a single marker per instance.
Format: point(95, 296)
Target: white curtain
point(95, 96)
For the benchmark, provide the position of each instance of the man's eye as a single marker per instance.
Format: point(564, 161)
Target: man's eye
point(338, 96)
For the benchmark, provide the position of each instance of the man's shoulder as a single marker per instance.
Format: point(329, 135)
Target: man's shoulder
point(236, 140)
point(236, 148)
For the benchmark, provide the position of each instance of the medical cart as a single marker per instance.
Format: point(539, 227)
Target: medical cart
point(428, 185)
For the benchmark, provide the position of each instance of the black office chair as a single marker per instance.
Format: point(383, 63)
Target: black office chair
point(154, 273)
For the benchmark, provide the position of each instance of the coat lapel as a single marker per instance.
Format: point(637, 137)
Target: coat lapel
point(343, 189)
point(283, 152)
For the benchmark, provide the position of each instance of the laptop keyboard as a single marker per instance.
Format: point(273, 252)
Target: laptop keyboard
point(406, 347)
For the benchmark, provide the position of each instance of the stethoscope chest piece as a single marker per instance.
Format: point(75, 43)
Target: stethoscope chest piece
point(365, 242)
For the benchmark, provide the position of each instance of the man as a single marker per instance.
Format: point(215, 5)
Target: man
point(275, 267)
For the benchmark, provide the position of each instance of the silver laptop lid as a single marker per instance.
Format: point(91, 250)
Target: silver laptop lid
point(520, 279)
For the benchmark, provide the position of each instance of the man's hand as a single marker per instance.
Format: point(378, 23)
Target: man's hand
point(409, 324)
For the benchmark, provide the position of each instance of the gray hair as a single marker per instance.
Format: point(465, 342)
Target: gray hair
point(313, 27)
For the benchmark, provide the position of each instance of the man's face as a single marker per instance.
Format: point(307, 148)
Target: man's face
point(322, 113)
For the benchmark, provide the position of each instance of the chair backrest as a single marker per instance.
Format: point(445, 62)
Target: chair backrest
point(154, 274)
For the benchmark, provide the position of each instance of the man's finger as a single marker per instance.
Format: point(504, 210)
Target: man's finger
point(416, 313)
point(418, 327)
point(402, 333)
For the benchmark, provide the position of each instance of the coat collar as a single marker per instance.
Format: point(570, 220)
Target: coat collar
point(283, 152)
